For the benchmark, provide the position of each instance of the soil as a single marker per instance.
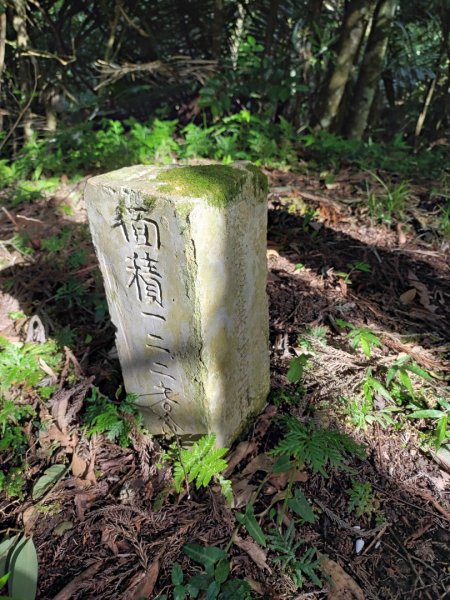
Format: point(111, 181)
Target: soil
point(113, 527)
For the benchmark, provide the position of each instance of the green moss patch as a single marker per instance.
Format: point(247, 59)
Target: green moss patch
point(218, 184)
point(259, 179)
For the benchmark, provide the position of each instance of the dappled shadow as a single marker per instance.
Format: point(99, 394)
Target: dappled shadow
point(374, 296)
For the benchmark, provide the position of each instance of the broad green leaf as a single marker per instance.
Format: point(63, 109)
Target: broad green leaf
point(177, 574)
point(24, 571)
point(296, 368)
point(205, 555)
point(441, 431)
point(428, 413)
point(379, 387)
point(300, 505)
point(3, 580)
point(282, 465)
point(200, 581)
point(390, 375)
point(365, 347)
point(48, 479)
point(222, 571)
point(418, 371)
point(192, 590)
point(213, 591)
point(179, 592)
point(406, 381)
point(343, 324)
point(5, 549)
point(250, 523)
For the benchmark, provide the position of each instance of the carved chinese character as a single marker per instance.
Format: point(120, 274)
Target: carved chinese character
point(143, 277)
point(145, 230)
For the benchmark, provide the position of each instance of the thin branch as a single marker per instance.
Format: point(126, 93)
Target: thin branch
point(23, 111)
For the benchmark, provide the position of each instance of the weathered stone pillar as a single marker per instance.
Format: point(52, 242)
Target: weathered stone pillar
point(183, 255)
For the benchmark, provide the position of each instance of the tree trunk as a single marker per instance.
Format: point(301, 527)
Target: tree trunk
point(354, 25)
point(371, 68)
point(2, 58)
point(217, 28)
point(25, 65)
point(271, 26)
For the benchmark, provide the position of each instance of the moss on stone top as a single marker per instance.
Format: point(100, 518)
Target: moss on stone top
point(260, 180)
point(218, 184)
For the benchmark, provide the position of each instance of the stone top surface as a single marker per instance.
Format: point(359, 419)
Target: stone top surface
point(218, 184)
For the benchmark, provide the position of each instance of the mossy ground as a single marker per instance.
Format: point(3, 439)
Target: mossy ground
point(219, 185)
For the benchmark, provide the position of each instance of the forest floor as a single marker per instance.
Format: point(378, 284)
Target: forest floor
point(113, 526)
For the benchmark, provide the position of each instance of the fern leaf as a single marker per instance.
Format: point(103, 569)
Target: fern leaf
point(200, 463)
point(316, 447)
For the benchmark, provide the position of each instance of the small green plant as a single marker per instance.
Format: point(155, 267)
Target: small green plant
point(372, 386)
point(248, 520)
point(362, 500)
point(214, 582)
point(200, 464)
point(400, 371)
point(19, 567)
point(390, 205)
point(360, 336)
point(297, 368)
point(114, 420)
point(72, 293)
point(282, 397)
point(315, 447)
point(360, 410)
point(14, 480)
point(360, 266)
point(286, 547)
point(20, 364)
point(56, 243)
point(440, 415)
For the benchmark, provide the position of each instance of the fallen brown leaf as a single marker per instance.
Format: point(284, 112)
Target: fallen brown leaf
point(424, 294)
point(264, 421)
point(29, 517)
point(73, 586)
point(342, 586)
point(242, 493)
point(255, 552)
point(79, 466)
point(242, 450)
point(408, 296)
point(146, 586)
point(262, 462)
point(280, 480)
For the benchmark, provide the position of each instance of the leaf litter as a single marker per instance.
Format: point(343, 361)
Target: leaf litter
point(128, 527)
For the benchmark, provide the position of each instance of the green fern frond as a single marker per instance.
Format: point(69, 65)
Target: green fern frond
point(200, 464)
point(19, 363)
point(316, 447)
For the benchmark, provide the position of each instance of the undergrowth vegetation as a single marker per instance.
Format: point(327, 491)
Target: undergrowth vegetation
point(112, 144)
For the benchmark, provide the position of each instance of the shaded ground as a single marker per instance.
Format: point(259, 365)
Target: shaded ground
point(114, 523)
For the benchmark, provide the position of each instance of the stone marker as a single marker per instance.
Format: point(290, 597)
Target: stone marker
point(183, 256)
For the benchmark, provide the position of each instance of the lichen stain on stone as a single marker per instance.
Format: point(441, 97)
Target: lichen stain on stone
point(219, 185)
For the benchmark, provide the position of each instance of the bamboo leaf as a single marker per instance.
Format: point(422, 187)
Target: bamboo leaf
point(222, 571)
point(48, 479)
point(252, 526)
point(418, 371)
point(300, 505)
point(205, 555)
point(24, 571)
point(177, 574)
point(428, 413)
point(5, 549)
